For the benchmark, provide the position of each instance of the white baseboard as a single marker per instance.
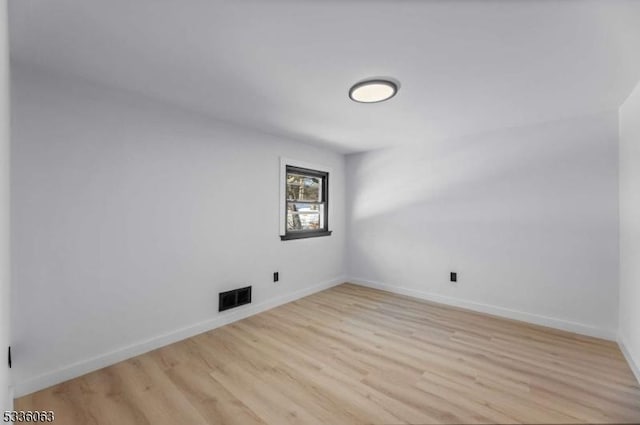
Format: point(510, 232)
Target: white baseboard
point(537, 319)
point(631, 359)
point(83, 367)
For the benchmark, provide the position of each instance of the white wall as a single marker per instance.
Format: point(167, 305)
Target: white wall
point(130, 217)
point(629, 331)
point(5, 399)
point(526, 216)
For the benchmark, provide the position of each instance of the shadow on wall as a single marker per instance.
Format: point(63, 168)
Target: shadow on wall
point(521, 173)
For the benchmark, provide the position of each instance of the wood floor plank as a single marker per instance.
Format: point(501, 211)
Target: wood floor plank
point(210, 398)
point(355, 355)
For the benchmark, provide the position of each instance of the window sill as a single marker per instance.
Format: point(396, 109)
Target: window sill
point(304, 235)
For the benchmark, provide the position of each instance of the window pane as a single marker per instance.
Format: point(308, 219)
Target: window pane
point(303, 221)
point(304, 188)
point(302, 207)
point(301, 216)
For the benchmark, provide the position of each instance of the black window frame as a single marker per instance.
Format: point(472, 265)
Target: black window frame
point(303, 234)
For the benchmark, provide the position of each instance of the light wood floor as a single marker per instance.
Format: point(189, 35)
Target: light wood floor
point(353, 355)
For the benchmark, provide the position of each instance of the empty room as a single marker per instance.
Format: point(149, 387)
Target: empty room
point(291, 212)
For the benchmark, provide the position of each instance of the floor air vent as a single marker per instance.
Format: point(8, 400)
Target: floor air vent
point(234, 298)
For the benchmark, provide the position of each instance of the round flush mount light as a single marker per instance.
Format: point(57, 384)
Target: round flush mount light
point(372, 91)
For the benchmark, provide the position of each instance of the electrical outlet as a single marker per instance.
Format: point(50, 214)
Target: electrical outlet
point(454, 277)
point(276, 277)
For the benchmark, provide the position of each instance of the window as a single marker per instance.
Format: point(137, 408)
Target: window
point(306, 203)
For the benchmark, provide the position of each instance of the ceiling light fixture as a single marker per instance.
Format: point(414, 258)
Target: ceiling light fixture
point(372, 91)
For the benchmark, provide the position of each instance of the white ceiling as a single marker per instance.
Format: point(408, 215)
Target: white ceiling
point(285, 66)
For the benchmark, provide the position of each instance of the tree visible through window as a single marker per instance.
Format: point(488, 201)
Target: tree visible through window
point(306, 203)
